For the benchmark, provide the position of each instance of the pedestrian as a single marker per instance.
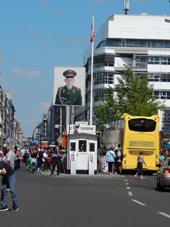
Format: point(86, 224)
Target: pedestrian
point(1, 154)
point(161, 157)
point(118, 160)
point(49, 160)
point(110, 159)
point(33, 156)
point(45, 157)
point(17, 158)
point(8, 178)
point(140, 161)
point(56, 160)
point(40, 159)
point(10, 156)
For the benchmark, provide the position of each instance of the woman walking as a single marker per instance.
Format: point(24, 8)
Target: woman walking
point(110, 159)
point(140, 161)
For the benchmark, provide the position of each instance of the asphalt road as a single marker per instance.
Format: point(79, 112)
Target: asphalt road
point(86, 202)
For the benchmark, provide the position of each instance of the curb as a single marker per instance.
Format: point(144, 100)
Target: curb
point(63, 175)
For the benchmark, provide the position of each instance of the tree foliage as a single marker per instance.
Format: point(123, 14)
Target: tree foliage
point(133, 95)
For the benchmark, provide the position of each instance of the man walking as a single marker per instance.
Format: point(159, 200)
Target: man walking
point(56, 160)
point(10, 156)
point(8, 179)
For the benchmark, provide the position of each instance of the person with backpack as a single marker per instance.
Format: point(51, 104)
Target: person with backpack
point(110, 159)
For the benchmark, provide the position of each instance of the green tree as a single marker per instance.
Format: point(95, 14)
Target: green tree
point(102, 110)
point(133, 95)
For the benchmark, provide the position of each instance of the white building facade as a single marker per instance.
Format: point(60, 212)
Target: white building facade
point(141, 42)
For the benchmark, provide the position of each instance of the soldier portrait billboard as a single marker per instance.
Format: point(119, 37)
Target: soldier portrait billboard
point(69, 86)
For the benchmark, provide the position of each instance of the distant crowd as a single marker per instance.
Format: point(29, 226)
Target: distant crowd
point(45, 159)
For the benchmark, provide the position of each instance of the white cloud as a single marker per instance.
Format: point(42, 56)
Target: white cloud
point(17, 92)
point(60, 13)
point(36, 34)
point(74, 40)
point(43, 107)
point(28, 121)
point(46, 4)
point(21, 72)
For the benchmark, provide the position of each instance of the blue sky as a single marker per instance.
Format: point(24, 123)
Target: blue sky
point(36, 35)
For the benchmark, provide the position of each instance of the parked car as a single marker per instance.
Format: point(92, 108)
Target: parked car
point(163, 175)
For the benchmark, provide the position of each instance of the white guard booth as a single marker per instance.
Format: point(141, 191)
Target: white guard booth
point(82, 149)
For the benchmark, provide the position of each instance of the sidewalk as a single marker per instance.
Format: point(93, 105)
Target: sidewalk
point(64, 175)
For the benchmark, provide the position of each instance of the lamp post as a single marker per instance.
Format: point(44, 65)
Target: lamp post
point(57, 126)
point(110, 112)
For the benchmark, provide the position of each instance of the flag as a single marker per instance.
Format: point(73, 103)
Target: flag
point(92, 34)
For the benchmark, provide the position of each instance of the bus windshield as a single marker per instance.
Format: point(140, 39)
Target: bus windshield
point(142, 125)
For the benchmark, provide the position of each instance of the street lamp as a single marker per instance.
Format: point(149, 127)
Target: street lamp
point(105, 125)
point(110, 112)
point(57, 126)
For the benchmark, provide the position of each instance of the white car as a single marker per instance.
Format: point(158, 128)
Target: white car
point(163, 175)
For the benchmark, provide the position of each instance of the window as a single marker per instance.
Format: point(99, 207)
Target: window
point(99, 95)
point(134, 43)
point(73, 146)
point(92, 147)
point(142, 44)
point(129, 43)
point(156, 78)
point(82, 145)
point(164, 61)
point(151, 60)
point(149, 44)
point(142, 125)
point(161, 44)
point(123, 43)
point(103, 78)
point(104, 60)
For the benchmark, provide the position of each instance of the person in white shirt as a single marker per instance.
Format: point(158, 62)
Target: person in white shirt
point(10, 156)
point(118, 160)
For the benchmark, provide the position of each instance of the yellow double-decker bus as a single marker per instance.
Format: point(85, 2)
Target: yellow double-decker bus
point(132, 134)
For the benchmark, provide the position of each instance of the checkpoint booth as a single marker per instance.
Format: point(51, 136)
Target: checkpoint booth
point(81, 143)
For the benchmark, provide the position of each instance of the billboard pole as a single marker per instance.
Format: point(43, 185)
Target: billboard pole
point(92, 47)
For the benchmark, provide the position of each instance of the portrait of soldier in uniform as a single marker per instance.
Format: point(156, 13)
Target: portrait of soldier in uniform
point(69, 94)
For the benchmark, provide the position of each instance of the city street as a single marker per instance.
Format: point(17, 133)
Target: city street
point(87, 201)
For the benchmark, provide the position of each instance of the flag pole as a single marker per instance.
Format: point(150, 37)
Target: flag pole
point(91, 94)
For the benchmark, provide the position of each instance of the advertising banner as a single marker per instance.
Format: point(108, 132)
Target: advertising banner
point(69, 86)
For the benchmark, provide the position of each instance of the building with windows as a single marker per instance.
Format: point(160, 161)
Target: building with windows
point(141, 42)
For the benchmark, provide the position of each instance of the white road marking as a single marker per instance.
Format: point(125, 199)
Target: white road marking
point(127, 183)
point(130, 193)
point(128, 188)
point(125, 180)
point(166, 215)
point(136, 201)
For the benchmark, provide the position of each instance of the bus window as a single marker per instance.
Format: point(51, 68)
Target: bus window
point(142, 125)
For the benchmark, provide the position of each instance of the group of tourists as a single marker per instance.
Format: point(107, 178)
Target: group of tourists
point(44, 159)
point(113, 158)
